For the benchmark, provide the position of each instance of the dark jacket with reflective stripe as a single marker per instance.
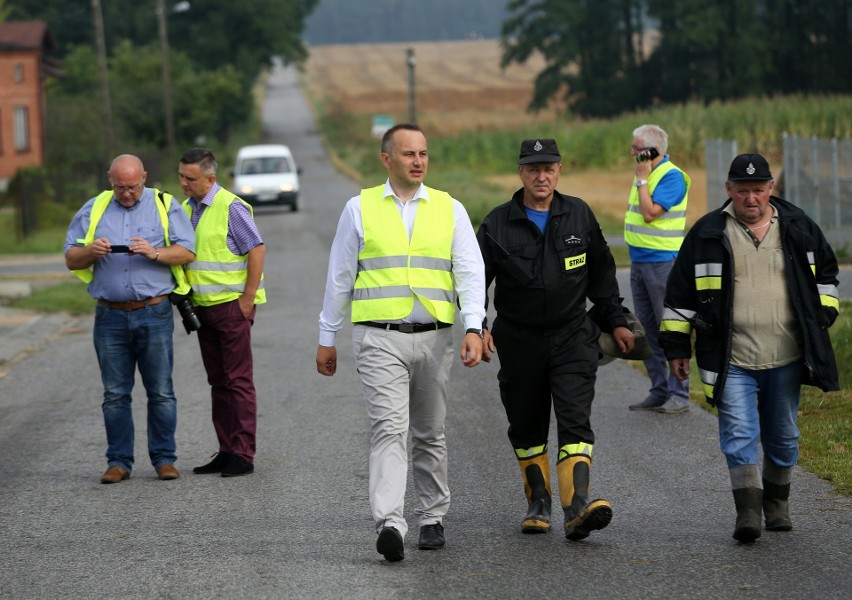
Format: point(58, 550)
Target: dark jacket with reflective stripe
point(543, 280)
point(706, 243)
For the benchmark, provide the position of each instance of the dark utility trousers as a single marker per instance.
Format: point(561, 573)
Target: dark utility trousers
point(537, 369)
point(225, 340)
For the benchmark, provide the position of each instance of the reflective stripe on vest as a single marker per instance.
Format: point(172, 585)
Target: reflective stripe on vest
point(393, 270)
point(217, 275)
point(666, 231)
point(99, 207)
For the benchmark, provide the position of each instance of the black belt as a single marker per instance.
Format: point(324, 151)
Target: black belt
point(406, 327)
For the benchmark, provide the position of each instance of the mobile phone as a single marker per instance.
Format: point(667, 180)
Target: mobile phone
point(119, 248)
point(647, 154)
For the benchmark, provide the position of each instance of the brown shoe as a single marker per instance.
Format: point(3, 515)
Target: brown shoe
point(114, 475)
point(166, 472)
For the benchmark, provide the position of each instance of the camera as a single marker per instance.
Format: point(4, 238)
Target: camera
point(647, 154)
point(187, 313)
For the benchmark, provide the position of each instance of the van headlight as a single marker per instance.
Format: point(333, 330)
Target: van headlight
point(286, 187)
point(246, 189)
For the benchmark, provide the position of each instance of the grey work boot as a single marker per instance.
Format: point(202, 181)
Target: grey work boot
point(749, 506)
point(748, 498)
point(649, 403)
point(776, 492)
point(673, 406)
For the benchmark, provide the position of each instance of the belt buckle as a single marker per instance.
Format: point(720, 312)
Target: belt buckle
point(406, 327)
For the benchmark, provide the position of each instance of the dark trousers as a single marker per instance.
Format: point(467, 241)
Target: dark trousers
point(225, 341)
point(539, 370)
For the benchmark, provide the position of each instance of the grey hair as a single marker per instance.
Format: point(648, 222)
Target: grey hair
point(653, 136)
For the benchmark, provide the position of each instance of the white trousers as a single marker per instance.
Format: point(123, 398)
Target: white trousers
point(404, 376)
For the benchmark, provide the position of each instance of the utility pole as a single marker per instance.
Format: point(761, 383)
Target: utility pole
point(106, 105)
point(411, 61)
point(168, 110)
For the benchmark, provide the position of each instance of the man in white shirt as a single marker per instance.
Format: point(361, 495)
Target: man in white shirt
point(402, 256)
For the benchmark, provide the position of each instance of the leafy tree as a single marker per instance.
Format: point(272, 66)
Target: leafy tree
point(5, 11)
point(589, 49)
point(810, 44)
point(705, 49)
point(708, 50)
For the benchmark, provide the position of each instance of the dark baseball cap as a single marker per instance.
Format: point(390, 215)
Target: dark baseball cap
point(539, 151)
point(749, 167)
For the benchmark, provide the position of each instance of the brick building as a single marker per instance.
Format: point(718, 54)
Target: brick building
point(23, 68)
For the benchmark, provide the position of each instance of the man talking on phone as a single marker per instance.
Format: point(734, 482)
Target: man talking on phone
point(653, 231)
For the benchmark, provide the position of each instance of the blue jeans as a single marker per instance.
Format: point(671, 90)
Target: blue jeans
point(123, 340)
point(760, 405)
point(648, 286)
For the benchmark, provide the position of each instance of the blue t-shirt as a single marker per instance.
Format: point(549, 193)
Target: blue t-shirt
point(539, 217)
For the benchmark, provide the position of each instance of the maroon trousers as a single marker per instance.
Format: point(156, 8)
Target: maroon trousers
point(225, 341)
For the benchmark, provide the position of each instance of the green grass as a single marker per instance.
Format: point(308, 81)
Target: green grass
point(63, 297)
point(47, 240)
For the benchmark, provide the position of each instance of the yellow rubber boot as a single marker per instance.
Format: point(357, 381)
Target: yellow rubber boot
point(536, 474)
point(582, 516)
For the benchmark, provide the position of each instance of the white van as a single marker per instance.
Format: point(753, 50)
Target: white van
point(267, 174)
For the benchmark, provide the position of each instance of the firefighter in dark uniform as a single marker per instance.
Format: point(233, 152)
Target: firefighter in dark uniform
point(548, 255)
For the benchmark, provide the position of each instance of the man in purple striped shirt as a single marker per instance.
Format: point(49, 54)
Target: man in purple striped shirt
point(227, 283)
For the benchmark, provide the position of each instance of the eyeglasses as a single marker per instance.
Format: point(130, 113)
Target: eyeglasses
point(123, 189)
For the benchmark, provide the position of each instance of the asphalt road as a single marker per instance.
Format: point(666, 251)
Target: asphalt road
point(300, 526)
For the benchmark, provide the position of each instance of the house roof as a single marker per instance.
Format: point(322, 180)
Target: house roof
point(26, 35)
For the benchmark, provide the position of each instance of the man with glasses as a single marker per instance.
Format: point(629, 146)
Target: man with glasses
point(129, 244)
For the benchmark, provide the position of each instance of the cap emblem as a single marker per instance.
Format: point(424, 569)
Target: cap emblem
point(537, 146)
point(750, 169)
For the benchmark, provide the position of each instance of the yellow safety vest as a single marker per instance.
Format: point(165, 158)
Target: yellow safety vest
point(217, 275)
point(99, 208)
point(392, 269)
point(666, 231)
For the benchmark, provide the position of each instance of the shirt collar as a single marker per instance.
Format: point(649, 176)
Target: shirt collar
point(422, 193)
point(207, 200)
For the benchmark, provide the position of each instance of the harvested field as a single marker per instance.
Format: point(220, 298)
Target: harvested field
point(459, 84)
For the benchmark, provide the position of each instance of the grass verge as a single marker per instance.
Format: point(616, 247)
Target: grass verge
point(63, 297)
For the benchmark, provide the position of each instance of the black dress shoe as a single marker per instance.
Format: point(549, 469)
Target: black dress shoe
point(237, 466)
point(390, 544)
point(216, 465)
point(431, 537)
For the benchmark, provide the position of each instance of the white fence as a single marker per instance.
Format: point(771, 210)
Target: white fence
point(818, 179)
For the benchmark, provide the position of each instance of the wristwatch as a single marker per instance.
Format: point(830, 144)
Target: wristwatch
point(640, 182)
point(478, 332)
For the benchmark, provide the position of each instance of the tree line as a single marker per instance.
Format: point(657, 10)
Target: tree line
point(605, 57)
point(216, 51)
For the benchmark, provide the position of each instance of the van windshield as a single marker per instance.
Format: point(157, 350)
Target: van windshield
point(264, 164)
